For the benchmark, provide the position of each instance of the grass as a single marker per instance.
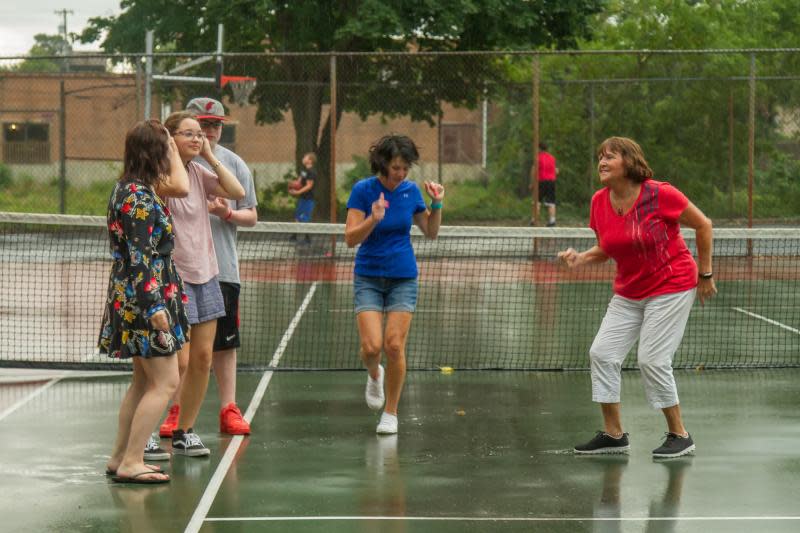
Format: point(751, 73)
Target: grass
point(25, 195)
point(466, 203)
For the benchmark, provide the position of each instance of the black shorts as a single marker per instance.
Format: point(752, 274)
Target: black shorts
point(228, 326)
point(547, 192)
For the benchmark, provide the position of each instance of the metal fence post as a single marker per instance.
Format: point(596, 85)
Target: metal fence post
point(751, 142)
point(148, 73)
point(333, 201)
point(62, 149)
point(535, 165)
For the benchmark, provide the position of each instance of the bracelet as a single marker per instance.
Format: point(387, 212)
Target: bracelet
point(216, 165)
point(229, 215)
point(436, 205)
point(705, 275)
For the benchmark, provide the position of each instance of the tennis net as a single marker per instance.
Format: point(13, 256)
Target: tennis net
point(489, 298)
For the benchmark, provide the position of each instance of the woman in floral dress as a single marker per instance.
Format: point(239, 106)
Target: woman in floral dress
point(144, 317)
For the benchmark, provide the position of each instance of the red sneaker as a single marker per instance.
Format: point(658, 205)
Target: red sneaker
point(170, 423)
point(231, 421)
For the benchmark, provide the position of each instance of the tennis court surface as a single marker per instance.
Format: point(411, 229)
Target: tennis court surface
point(485, 448)
point(477, 451)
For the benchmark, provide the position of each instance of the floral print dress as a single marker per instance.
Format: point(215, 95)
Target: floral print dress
point(143, 278)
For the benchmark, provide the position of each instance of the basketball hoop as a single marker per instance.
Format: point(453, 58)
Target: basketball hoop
point(241, 87)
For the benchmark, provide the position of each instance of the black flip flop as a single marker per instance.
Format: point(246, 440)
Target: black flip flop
point(135, 479)
point(153, 468)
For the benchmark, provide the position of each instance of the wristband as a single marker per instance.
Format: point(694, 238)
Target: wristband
point(229, 215)
point(705, 275)
point(436, 205)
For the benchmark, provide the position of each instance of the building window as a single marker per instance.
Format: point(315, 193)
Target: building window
point(26, 143)
point(461, 143)
point(228, 137)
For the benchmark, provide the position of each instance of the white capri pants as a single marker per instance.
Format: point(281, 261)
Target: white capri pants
point(658, 323)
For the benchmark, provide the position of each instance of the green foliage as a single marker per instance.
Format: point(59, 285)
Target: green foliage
point(26, 194)
point(44, 45)
point(675, 106)
point(386, 85)
point(5, 176)
point(360, 170)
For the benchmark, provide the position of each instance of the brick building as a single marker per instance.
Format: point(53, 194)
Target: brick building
point(98, 108)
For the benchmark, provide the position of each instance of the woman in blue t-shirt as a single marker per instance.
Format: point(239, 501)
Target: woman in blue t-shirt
point(380, 211)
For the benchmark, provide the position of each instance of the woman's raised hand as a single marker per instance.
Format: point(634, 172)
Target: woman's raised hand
point(434, 190)
point(205, 151)
point(379, 208)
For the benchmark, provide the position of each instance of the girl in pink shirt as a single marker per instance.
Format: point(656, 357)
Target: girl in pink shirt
point(637, 222)
point(196, 261)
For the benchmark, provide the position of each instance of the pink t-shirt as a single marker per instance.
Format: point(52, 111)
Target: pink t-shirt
point(646, 243)
point(194, 253)
point(547, 167)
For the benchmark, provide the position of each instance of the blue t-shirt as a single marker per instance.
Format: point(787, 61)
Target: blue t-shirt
point(387, 252)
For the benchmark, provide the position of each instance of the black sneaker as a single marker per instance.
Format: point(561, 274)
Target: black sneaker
point(604, 443)
point(154, 452)
point(675, 446)
point(188, 443)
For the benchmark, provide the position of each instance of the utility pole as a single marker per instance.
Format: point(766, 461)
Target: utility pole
point(62, 29)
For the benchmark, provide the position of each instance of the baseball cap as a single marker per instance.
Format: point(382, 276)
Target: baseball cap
point(207, 108)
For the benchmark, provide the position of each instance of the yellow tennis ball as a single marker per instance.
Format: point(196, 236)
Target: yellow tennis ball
point(446, 369)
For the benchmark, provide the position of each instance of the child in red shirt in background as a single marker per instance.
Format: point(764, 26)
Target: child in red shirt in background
point(637, 222)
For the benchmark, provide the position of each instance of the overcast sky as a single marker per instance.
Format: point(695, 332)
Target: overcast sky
point(20, 21)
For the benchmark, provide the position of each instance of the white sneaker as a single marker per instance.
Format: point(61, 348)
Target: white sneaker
point(154, 452)
point(374, 392)
point(387, 425)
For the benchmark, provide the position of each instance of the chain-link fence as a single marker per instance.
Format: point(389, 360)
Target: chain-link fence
point(723, 126)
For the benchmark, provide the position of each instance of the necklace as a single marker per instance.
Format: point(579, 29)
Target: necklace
point(620, 206)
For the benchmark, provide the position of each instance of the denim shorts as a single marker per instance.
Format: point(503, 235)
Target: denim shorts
point(304, 210)
point(205, 301)
point(384, 294)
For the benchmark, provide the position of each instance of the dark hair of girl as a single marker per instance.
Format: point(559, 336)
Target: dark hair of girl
point(385, 149)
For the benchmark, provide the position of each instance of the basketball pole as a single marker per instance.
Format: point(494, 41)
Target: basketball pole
point(170, 76)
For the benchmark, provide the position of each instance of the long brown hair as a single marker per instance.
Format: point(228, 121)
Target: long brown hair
point(146, 153)
point(174, 120)
point(636, 167)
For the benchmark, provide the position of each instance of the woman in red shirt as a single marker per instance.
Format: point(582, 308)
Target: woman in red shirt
point(637, 222)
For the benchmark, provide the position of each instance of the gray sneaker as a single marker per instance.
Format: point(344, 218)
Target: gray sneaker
point(604, 443)
point(374, 392)
point(154, 452)
point(674, 446)
point(188, 443)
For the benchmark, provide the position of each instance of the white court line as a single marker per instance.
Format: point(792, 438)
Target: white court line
point(503, 519)
point(767, 320)
point(30, 397)
point(204, 505)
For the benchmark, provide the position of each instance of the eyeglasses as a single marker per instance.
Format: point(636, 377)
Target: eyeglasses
point(210, 123)
point(189, 135)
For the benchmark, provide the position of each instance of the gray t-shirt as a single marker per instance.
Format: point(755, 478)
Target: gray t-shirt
point(224, 233)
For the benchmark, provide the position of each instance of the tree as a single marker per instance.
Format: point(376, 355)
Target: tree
point(44, 45)
point(413, 85)
point(675, 105)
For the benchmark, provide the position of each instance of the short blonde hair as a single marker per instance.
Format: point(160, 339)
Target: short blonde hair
point(636, 167)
